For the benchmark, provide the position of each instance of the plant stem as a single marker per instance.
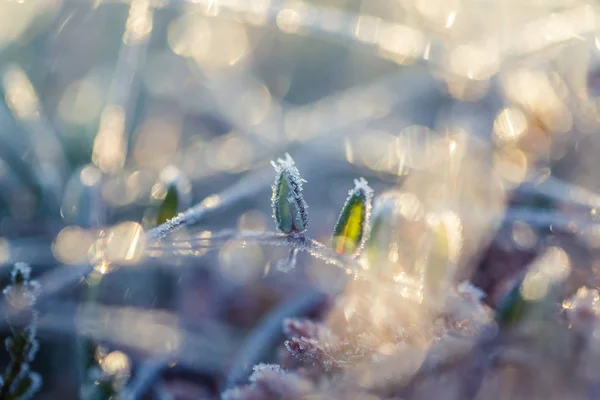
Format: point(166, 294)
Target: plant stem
point(13, 370)
point(216, 240)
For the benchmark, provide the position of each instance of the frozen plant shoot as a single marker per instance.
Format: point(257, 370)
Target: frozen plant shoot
point(289, 207)
point(349, 233)
point(289, 212)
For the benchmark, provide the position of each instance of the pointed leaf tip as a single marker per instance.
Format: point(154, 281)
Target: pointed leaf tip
point(170, 195)
point(289, 207)
point(349, 233)
point(169, 207)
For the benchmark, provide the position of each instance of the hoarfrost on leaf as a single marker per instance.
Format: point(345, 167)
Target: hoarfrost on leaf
point(310, 352)
point(289, 207)
point(298, 328)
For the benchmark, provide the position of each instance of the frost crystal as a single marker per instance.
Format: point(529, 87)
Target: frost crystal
point(466, 289)
point(310, 352)
point(297, 328)
point(350, 233)
point(261, 369)
point(271, 382)
point(289, 207)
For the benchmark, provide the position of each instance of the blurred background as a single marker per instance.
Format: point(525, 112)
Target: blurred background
point(484, 114)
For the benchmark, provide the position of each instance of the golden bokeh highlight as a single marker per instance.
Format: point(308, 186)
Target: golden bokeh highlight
point(368, 28)
point(212, 43)
point(400, 43)
point(289, 20)
point(139, 21)
point(109, 145)
point(125, 242)
point(81, 102)
point(524, 235)
point(510, 124)
point(116, 363)
point(5, 252)
point(90, 175)
point(552, 268)
point(15, 19)
point(211, 201)
point(230, 153)
point(20, 95)
point(253, 220)
point(477, 63)
point(241, 261)
point(72, 244)
point(156, 142)
point(511, 164)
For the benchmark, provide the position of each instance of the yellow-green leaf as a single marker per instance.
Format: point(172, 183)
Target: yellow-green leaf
point(350, 230)
point(168, 209)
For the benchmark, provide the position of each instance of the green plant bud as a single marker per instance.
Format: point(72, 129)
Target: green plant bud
point(289, 207)
point(349, 233)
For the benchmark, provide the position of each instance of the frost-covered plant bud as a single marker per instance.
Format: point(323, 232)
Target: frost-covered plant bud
point(349, 233)
point(289, 207)
point(18, 382)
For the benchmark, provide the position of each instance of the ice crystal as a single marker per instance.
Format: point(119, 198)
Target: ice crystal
point(270, 382)
point(293, 327)
point(261, 369)
point(310, 352)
